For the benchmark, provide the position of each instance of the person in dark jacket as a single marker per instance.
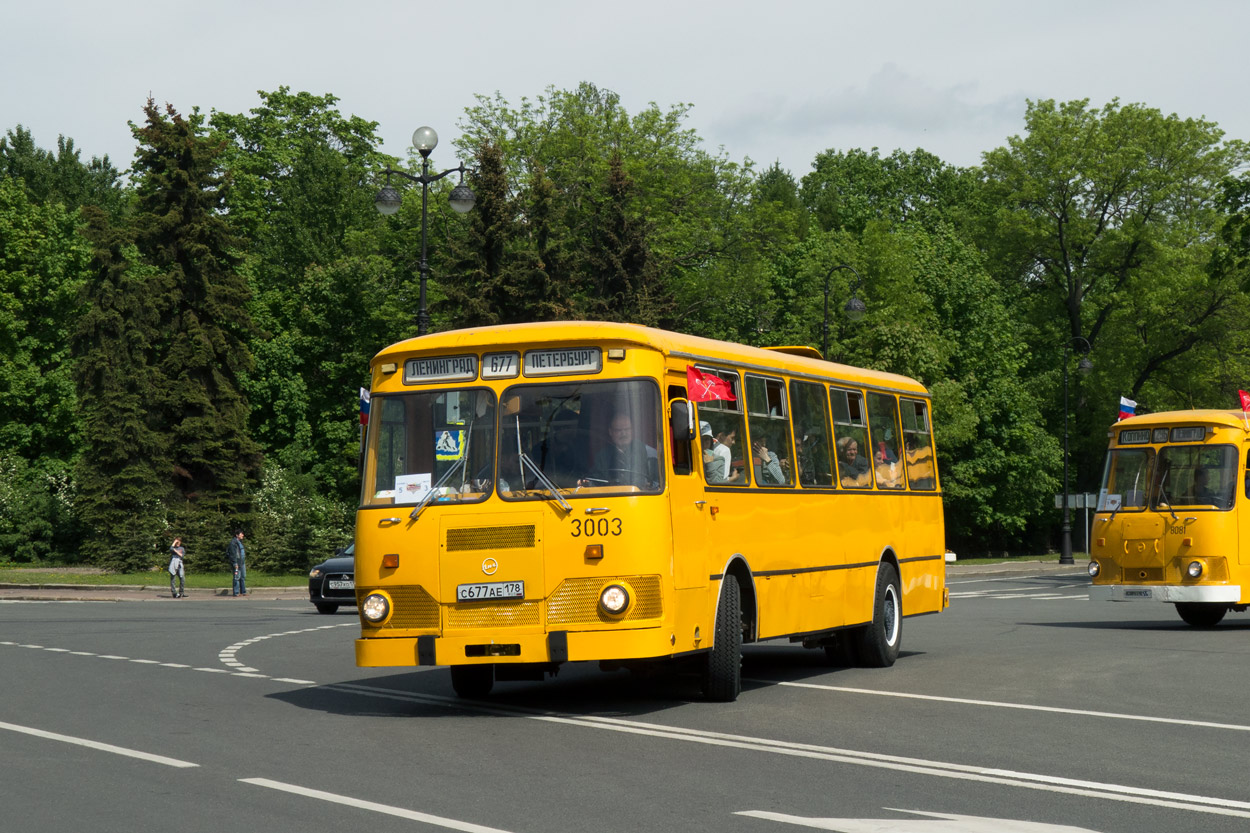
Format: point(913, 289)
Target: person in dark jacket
point(239, 563)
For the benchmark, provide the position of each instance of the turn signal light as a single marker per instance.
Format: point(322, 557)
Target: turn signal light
point(390, 561)
point(594, 552)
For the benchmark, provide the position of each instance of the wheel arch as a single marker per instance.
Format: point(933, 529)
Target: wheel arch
point(737, 567)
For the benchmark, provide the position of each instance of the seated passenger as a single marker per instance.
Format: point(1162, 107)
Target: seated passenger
point(852, 468)
point(766, 465)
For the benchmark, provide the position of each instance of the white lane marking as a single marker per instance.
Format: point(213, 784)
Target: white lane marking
point(1009, 578)
point(963, 701)
point(103, 747)
point(334, 798)
point(919, 766)
point(229, 654)
point(240, 671)
point(943, 823)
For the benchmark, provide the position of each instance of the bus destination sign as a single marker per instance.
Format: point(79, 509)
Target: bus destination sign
point(440, 369)
point(563, 361)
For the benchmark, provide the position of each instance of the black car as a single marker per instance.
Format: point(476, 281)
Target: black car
point(333, 582)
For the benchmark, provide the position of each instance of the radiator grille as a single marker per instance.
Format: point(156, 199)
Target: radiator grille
point(490, 538)
point(576, 601)
point(414, 608)
point(493, 615)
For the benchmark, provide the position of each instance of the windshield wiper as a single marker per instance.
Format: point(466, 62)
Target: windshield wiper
point(429, 496)
point(1163, 496)
point(542, 478)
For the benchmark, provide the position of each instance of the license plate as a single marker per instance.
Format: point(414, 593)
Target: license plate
point(340, 584)
point(489, 590)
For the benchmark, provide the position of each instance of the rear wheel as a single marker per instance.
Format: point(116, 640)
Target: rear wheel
point(326, 607)
point(1201, 614)
point(722, 675)
point(472, 681)
point(879, 641)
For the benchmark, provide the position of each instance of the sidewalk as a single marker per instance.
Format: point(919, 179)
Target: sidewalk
point(139, 593)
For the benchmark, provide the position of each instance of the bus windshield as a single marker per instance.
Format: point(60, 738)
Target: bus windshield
point(1189, 476)
point(593, 437)
point(434, 440)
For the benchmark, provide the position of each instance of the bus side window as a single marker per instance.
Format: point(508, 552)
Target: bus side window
point(723, 435)
point(769, 421)
point(918, 446)
point(812, 459)
point(850, 431)
point(883, 424)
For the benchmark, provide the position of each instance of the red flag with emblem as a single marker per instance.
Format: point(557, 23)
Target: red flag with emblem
point(704, 387)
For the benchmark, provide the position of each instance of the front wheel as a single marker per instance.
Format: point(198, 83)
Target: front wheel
point(472, 682)
point(326, 607)
point(722, 675)
point(879, 641)
point(1201, 614)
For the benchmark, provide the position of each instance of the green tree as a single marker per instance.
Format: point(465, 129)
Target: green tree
point(63, 177)
point(123, 474)
point(203, 325)
point(1102, 230)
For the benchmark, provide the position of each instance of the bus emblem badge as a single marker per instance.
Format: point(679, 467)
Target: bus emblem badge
point(489, 566)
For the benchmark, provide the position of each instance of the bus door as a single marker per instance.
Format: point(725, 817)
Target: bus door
point(691, 506)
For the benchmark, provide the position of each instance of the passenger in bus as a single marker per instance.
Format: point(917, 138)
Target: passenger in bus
point(885, 461)
point(852, 468)
point(766, 465)
point(624, 461)
point(1205, 493)
point(725, 472)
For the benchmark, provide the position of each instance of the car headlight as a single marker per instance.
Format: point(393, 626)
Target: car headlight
point(315, 572)
point(1194, 569)
point(1094, 569)
point(614, 599)
point(376, 608)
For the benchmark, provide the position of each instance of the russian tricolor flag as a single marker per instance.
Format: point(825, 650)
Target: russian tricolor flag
point(364, 406)
point(1127, 408)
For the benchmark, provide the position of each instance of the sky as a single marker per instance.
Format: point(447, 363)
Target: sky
point(770, 82)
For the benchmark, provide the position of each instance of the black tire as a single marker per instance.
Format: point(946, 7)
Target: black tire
point(1201, 614)
point(325, 607)
point(722, 674)
point(472, 682)
point(878, 642)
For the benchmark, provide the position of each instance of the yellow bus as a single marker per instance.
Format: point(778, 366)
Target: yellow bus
point(548, 493)
point(1169, 523)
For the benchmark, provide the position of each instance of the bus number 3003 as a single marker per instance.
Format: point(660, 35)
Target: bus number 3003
point(591, 527)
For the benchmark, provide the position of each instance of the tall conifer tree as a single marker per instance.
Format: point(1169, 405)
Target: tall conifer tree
point(123, 484)
point(203, 322)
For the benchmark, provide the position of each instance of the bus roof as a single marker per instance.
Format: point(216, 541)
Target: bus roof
point(1205, 416)
point(680, 345)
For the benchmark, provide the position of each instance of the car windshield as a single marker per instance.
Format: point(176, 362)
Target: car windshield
point(589, 438)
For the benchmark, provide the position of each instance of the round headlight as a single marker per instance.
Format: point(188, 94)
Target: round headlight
point(1194, 569)
point(1094, 569)
point(375, 608)
point(614, 599)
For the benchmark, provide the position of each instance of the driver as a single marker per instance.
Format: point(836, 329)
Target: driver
point(625, 461)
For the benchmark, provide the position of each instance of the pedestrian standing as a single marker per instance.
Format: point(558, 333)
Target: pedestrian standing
point(177, 569)
point(238, 561)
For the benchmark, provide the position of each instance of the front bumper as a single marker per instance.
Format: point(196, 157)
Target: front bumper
point(555, 646)
point(1218, 593)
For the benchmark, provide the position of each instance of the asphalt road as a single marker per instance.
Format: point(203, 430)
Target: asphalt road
point(1023, 707)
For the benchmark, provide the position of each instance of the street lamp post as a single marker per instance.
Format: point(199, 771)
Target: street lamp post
point(1085, 366)
point(854, 308)
point(388, 201)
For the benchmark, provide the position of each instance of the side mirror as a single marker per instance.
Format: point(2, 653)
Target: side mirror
point(681, 420)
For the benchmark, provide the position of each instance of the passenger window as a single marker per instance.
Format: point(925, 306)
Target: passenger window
point(721, 428)
point(883, 424)
point(850, 432)
point(769, 421)
point(813, 462)
point(918, 446)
